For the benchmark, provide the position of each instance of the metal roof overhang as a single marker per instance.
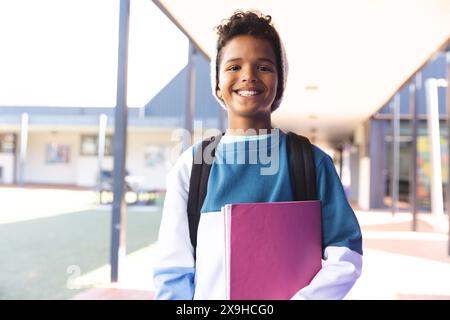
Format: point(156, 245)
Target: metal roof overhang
point(356, 53)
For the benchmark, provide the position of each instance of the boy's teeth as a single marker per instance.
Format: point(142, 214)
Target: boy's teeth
point(247, 93)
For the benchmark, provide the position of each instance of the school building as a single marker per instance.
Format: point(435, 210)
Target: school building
point(401, 147)
point(60, 145)
point(382, 150)
point(369, 83)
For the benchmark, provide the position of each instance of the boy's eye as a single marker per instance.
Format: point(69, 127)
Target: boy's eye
point(234, 68)
point(264, 68)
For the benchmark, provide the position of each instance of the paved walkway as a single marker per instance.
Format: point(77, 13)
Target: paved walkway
point(398, 263)
point(135, 275)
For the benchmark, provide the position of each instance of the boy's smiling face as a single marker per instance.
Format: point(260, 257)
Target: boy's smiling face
point(248, 77)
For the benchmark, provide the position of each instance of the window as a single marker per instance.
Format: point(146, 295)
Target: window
point(57, 153)
point(89, 145)
point(7, 143)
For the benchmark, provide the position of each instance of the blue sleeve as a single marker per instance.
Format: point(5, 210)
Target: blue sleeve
point(339, 224)
point(176, 283)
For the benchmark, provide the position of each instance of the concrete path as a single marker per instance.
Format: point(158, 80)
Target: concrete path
point(398, 264)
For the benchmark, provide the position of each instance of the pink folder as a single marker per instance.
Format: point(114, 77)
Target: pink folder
point(272, 250)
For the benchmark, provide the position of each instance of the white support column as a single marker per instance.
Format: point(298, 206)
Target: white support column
point(364, 182)
point(395, 105)
point(23, 148)
point(434, 137)
point(103, 120)
point(413, 88)
point(447, 57)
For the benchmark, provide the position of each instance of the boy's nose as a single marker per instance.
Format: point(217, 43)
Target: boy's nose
point(249, 74)
point(249, 77)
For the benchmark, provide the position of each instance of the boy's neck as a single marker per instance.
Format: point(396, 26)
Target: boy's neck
point(249, 126)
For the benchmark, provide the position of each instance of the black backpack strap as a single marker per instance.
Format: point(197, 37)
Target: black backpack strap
point(201, 167)
point(302, 167)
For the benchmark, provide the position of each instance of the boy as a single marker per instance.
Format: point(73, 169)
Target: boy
point(249, 75)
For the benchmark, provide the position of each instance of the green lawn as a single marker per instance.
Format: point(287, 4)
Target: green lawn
point(35, 254)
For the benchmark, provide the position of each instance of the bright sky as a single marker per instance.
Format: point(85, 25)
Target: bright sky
point(64, 52)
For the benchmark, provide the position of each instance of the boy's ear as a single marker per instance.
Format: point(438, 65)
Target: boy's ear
point(219, 93)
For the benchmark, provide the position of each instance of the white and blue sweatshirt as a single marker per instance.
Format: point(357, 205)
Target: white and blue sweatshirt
point(250, 169)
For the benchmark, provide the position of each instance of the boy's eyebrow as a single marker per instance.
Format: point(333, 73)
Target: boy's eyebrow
point(259, 59)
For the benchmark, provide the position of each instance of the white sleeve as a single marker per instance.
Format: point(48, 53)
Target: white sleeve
point(340, 270)
point(175, 266)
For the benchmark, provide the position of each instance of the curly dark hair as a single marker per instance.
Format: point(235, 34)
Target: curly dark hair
point(252, 23)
